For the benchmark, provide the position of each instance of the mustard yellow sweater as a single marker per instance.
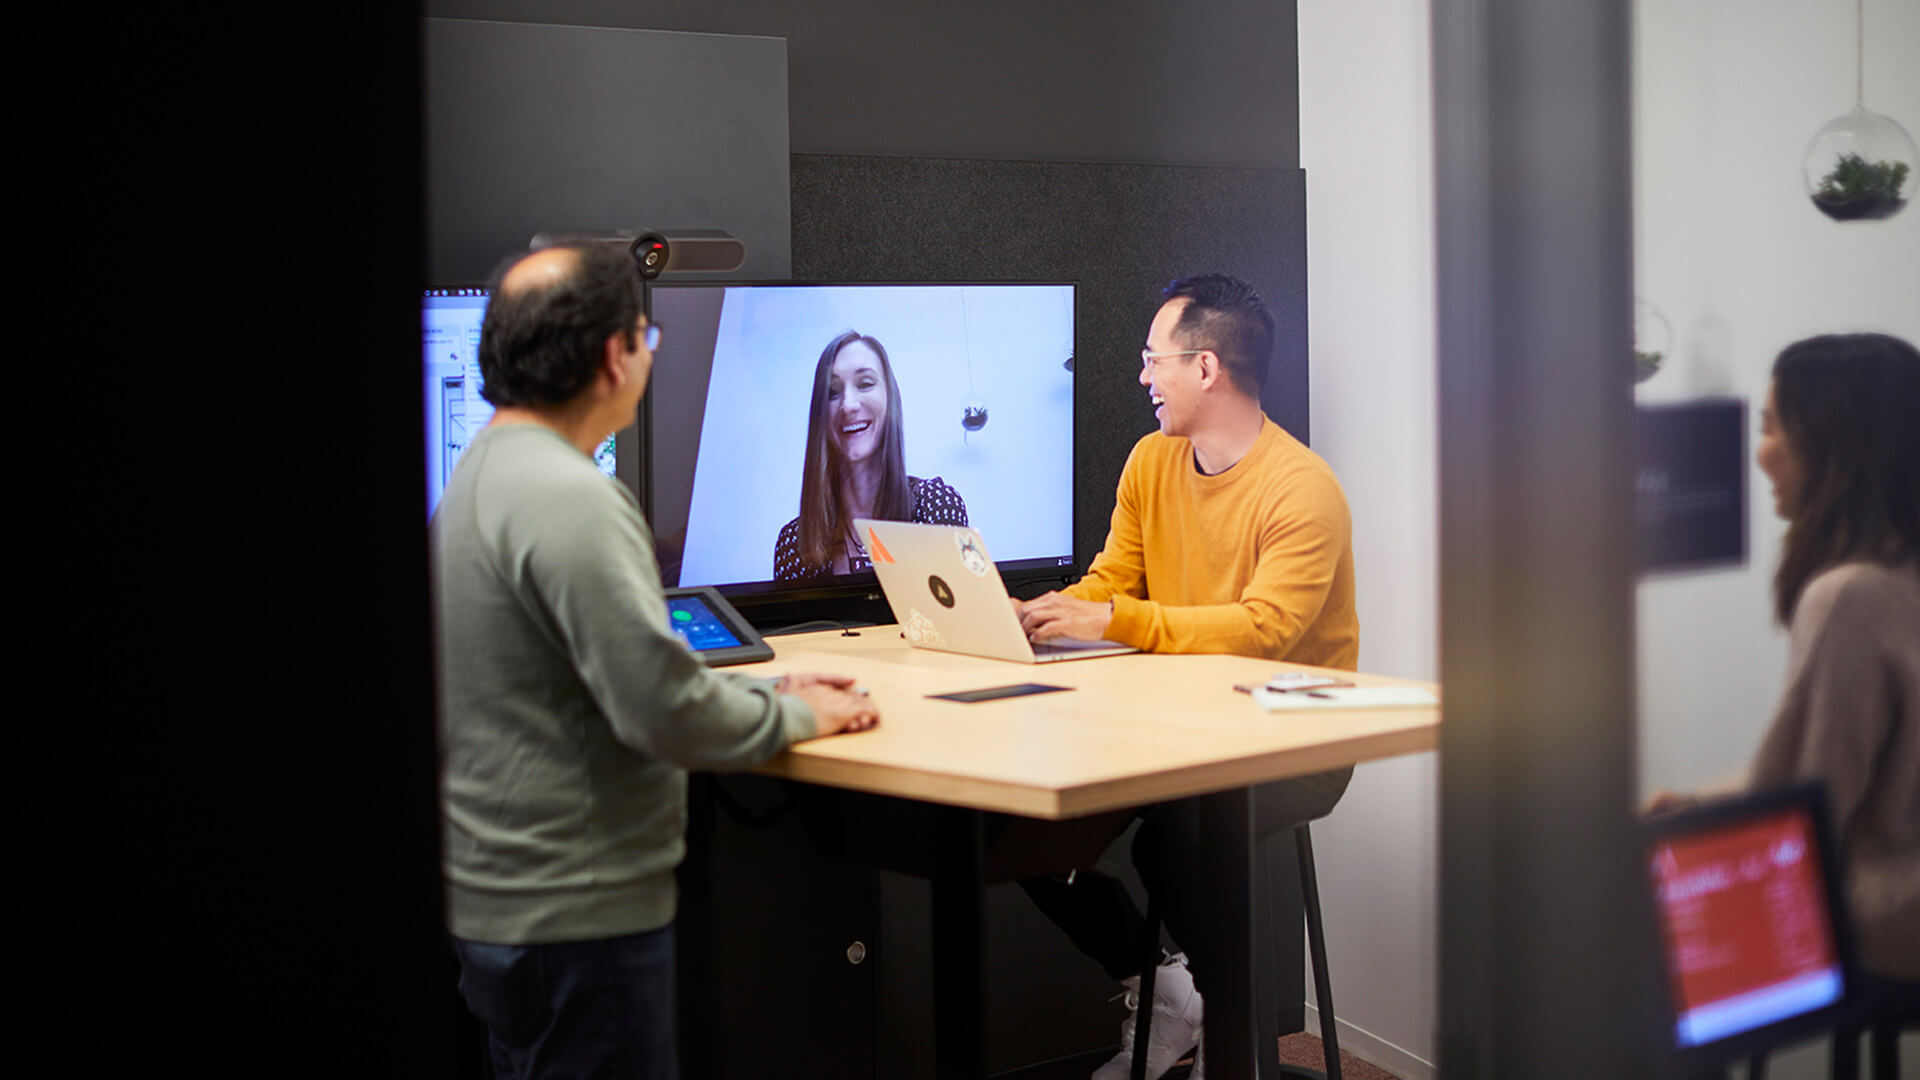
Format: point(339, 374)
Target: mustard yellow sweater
point(1256, 561)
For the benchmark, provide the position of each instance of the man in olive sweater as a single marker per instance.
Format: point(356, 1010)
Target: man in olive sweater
point(569, 711)
point(1228, 536)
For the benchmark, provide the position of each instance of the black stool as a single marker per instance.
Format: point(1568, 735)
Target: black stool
point(1894, 1007)
point(1316, 947)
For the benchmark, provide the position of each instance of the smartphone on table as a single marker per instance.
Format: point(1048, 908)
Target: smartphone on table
point(1293, 680)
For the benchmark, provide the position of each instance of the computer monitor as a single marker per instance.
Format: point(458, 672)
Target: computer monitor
point(980, 421)
point(1754, 932)
point(450, 318)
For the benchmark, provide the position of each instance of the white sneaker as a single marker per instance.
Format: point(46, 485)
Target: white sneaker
point(1176, 1022)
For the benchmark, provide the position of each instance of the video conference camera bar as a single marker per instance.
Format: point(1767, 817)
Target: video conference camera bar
point(656, 252)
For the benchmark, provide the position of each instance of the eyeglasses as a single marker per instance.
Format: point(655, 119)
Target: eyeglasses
point(652, 334)
point(1148, 357)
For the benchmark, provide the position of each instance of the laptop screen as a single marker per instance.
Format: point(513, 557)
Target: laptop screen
point(1746, 922)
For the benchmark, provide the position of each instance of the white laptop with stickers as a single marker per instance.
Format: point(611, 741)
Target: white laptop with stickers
point(944, 590)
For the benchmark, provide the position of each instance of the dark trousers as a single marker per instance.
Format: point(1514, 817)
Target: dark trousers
point(1098, 913)
point(600, 1009)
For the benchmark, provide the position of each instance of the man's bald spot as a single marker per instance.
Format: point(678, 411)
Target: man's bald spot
point(543, 269)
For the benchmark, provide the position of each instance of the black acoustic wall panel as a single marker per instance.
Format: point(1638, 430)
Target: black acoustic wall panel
point(1121, 231)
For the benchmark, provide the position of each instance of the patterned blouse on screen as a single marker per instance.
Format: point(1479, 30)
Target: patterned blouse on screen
point(934, 503)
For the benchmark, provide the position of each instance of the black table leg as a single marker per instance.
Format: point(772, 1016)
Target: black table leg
point(959, 956)
point(1237, 1047)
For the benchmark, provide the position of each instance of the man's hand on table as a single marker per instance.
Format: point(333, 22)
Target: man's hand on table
point(837, 705)
point(1057, 615)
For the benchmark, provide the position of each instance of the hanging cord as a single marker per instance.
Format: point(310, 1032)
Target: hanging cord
point(966, 339)
point(966, 343)
point(1859, 54)
point(1066, 302)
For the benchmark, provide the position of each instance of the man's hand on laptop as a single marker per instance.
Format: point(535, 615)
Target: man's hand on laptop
point(836, 703)
point(1057, 615)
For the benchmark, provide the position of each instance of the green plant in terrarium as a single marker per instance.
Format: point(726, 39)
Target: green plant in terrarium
point(1651, 335)
point(1857, 188)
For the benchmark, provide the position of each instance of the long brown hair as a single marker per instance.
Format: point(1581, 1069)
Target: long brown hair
point(824, 521)
point(1849, 405)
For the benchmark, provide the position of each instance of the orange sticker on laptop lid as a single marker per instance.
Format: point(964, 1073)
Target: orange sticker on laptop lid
point(877, 550)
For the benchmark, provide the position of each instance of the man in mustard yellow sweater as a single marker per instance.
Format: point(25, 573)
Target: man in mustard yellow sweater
point(1228, 536)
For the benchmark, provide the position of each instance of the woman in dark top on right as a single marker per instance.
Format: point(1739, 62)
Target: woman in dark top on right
point(1840, 440)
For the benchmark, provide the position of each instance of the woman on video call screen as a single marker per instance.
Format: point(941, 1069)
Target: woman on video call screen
point(855, 465)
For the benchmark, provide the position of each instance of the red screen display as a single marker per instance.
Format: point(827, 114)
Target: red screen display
point(1748, 934)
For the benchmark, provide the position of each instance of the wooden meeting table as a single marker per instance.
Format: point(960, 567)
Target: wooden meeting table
point(1129, 731)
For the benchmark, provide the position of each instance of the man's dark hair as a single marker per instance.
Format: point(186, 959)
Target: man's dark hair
point(1225, 315)
point(1849, 405)
point(540, 346)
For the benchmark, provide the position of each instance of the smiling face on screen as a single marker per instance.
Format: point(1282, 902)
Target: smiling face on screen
point(857, 402)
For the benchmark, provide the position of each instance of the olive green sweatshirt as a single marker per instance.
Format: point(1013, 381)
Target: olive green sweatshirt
point(569, 712)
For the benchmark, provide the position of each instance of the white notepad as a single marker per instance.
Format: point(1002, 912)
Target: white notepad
point(1346, 697)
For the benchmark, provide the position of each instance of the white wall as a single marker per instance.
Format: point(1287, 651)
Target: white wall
point(1727, 95)
point(1366, 144)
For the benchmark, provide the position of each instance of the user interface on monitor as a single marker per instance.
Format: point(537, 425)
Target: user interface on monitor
point(450, 320)
point(1744, 915)
point(961, 393)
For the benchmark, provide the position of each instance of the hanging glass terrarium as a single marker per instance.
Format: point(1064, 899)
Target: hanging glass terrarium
point(1861, 166)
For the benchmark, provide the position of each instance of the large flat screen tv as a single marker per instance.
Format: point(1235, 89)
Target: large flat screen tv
point(756, 386)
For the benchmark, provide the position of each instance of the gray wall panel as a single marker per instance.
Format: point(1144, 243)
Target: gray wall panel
point(533, 127)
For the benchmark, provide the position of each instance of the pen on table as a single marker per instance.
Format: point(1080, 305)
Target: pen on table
point(1248, 688)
